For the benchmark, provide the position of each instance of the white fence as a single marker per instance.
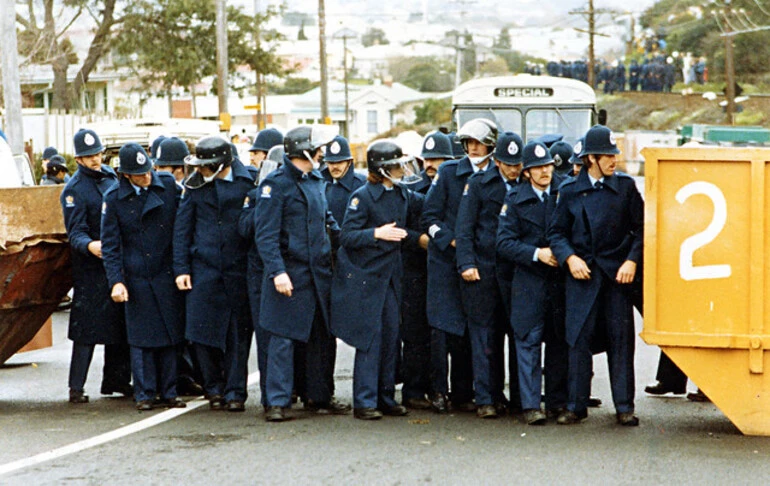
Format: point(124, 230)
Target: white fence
point(45, 129)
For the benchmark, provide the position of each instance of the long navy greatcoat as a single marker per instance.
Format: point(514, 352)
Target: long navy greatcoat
point(524, 221)
point(439, 215)
point(476, 232)
point(604, 227)
point(367, 266)
point(292, 220)
point(137, 232)
point(255, 268)
point(94, 318)
point(208, 247)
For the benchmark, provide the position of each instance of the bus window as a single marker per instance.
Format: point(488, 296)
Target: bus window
point(506, 119)
point(573, 124)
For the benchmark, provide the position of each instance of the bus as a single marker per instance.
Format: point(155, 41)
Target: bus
point(531, 106)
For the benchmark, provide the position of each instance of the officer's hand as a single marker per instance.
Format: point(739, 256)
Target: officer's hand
point(578, 268)
point(626, 272)
point(119, 293)
point(389, 232)
point(183, 282)
point(471, 275)
point(424, 240)
point(454, 243)
point(95, 247)
point(545, 255)
point(283, 284)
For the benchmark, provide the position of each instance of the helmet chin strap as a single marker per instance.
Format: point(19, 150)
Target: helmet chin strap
point(481, 160)
point(385, 174)
point(310, 159)
point(214, 175)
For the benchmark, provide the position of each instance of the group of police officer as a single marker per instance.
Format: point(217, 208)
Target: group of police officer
point(423, 266)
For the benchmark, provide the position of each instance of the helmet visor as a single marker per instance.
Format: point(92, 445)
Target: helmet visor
point(321, 135)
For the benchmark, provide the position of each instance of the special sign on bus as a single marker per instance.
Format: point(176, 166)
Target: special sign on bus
point(523, 92)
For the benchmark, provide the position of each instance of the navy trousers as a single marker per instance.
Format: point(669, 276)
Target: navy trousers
point(374, 372)
point(117, 365)
point(155, 372)
point(281, 366)
point(442, 346)
point(225, 372)
point(415, 334)
point(612, 309)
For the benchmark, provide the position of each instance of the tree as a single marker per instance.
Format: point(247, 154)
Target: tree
point(48, 44)
point(373, 37)
point(434, 112)
point(301, 34)
point(171, 44)
point(428, 77)
point(292, 86)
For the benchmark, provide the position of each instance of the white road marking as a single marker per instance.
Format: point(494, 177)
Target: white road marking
point(110, 436)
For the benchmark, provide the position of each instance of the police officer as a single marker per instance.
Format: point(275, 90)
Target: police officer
point(446, 316)
point(597, 234)
point(255, 268)
point(561, 152)
point(486, 282)
point(366, 294)
point(538, 287)
point(292, 225)
point(576, 161)
point(137, 217)
point(342, 180)
point(415, 331)
point(94, 318)
point(265, 140)
point(210, 263)
point(170, 156)
point(154, 146)
point(56, 172)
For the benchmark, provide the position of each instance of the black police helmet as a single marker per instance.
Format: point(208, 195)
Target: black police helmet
point(154, 146)
point(509, 148)
point(338, 150)
point(211, 151)
point(599, 140)
point(267, 139)
point(172, 151)
point(561, 152)
point(436, 145)
point(535, 154)
point(87, 143)
point(133, 159)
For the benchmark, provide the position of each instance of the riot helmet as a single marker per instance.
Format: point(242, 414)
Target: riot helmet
point(382, 156)
point(303, 141)
point(272, 162)
point(212, 153)
point(479, 129)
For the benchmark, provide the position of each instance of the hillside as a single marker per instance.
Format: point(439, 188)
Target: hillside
point(668, 111)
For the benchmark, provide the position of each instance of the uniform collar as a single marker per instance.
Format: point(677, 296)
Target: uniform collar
point(297, 174)
point(525, 192)
point(377, 190)
point(126, 188)
point(345, 181)
point(491, 174)
point(239, 171)
point(464, 166)
point(584, 182)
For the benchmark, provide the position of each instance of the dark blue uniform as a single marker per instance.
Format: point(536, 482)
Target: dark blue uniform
point(366, 296)
point(538, 296)
point(337, 195)
point(136, 250)
point(292, 219)
point(444, 304)
point(476, 230)
point(603, 226)
point(94, 318)
point(208, 247)
point(415, 331)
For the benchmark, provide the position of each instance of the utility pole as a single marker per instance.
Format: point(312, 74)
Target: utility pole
point(11, 83)
point(591, 14)
point(221, 30)
point(324, 78)
point(345, 67)
point(729, 68)
point(257, 76)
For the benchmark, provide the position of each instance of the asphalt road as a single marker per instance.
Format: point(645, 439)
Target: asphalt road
point(677, 442)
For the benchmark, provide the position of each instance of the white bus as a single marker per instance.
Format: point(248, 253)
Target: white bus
point(528, 105)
